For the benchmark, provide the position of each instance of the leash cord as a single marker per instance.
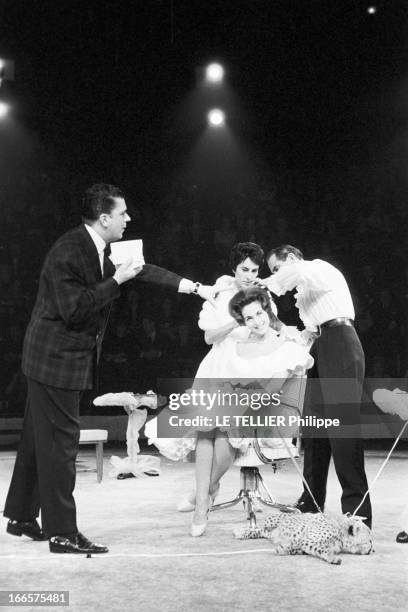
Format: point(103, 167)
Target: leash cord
point(381, 468)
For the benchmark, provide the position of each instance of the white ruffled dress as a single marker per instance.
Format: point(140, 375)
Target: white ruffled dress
point(286, 358)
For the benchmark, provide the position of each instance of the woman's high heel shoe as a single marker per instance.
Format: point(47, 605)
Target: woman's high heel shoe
point(187, 504)
point(198, 530)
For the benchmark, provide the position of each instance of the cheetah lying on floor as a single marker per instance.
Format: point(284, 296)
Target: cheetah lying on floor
point(314, 534)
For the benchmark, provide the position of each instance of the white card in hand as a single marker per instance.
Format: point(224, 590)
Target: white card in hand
point(127, 249)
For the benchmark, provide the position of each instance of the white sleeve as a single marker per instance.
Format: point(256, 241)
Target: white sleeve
point(224, 282)
point(311, 273)
point(212, 317)
point(186, 286)
point(208, 318)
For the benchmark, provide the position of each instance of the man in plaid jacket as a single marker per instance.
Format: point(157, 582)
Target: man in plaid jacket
point(77, 285)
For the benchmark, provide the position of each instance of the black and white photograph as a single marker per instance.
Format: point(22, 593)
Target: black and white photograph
point(203, 298)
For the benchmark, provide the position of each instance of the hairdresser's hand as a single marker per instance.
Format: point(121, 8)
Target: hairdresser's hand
point(261, 282)
point(207, 292)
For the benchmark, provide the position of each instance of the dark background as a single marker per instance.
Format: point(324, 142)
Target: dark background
point(314, 153)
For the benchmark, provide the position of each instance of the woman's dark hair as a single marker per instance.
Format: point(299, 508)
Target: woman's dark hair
point(248, 296)
point(242, 250)
point(99, 199)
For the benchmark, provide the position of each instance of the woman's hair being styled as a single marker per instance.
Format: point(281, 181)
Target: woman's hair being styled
point(248, 296)
point(242, 250)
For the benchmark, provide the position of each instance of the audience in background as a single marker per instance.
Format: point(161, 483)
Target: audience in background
point(152, 334)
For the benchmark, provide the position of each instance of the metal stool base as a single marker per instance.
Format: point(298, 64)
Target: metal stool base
point(253, 489)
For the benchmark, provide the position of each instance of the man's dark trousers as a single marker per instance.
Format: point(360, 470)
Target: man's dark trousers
point(44, 472)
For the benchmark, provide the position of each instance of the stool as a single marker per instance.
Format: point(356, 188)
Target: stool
point(253, 487)
point(97, 437)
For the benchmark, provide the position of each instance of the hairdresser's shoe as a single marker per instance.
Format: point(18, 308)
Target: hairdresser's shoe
point(402, 537)
point(31, 529)
point(305, 505)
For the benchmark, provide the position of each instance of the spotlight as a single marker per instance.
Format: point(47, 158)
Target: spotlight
point(216, 117)
point(4, 108)
point(6, 70)
point(214, 73)
point(372, 10)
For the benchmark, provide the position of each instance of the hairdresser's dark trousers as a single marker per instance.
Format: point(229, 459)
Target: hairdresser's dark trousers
point(336, 393)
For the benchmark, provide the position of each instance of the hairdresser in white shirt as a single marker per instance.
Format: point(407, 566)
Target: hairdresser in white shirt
point(326, 309)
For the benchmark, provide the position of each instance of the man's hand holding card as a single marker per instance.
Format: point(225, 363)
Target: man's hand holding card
point(127, 250)
point(127, 256)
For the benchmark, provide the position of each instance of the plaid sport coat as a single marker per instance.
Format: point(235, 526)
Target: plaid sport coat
point(71, 311)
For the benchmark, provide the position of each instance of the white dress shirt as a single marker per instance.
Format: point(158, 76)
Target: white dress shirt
point(99, 243)
point(322, 291)
point(185, 286)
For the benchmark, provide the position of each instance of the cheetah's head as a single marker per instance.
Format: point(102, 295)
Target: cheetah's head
point(356, 536)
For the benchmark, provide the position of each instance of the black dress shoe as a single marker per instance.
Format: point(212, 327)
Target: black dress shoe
point(76, 545)
point(31, 529)
point(402, 537)
point(124, 475)
point(306, 505)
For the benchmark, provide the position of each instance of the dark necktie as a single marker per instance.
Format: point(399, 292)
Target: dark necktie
point(106, 261)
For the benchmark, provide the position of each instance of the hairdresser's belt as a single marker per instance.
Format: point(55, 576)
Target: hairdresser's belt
point(337, 322)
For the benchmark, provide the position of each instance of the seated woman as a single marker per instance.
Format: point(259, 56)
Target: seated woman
point(266, 356)
point(216, 322)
